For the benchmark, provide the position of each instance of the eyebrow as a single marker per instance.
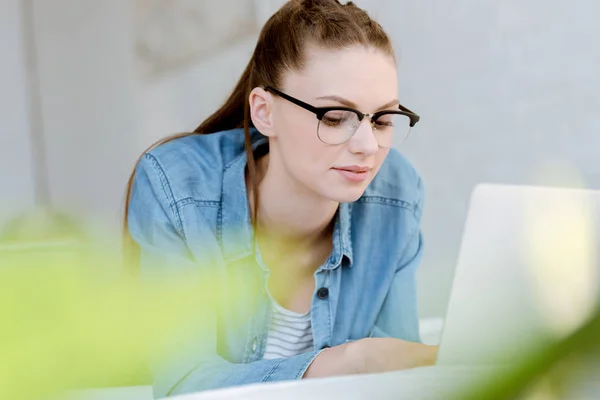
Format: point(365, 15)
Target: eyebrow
point(351, 104)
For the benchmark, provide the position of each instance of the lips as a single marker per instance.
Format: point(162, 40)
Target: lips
point(353, 168)
point(354, 173)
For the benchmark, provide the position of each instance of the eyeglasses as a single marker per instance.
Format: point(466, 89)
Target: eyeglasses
point(338, 124)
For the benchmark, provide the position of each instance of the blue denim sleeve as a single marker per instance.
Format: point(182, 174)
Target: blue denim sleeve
point(191, 365)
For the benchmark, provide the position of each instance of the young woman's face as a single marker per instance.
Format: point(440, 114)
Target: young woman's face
point(357, 77)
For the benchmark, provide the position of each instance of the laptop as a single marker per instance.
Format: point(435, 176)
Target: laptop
point(528, 273)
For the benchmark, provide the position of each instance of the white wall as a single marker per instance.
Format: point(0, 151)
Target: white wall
point(503, 89)
point(16, 180)
point(180, 100)
point(88, 101)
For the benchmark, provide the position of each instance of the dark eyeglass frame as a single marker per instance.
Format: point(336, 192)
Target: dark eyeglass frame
point(321, 111)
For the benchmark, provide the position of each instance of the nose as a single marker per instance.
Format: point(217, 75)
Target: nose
point(364, 141)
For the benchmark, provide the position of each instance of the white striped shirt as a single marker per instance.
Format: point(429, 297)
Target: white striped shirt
point(290, 333)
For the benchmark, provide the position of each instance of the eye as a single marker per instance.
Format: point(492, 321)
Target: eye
point(381, 122)
point(335, 118)
point(387, 121)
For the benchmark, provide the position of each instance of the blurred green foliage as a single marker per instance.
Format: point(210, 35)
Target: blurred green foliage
point(68, 321)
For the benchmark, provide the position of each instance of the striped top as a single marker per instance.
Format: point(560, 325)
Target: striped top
point(290, 333)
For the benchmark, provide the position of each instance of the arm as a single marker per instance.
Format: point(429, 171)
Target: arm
point(394, 341)
point(398, 319)
point(192, 363)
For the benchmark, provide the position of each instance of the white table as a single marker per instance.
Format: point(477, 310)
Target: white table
point(427, 383)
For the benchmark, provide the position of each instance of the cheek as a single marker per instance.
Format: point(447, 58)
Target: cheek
point(298, 131)
point(301, 143)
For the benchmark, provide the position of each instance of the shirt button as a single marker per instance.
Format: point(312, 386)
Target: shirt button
point(254, 345)
point(323, 293)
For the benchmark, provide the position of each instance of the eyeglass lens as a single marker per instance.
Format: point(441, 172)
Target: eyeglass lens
point(338, 126)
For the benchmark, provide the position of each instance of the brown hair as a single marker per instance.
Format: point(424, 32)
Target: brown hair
point(280, 48)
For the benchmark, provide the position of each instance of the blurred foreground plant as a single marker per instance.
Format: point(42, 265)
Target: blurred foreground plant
point(65, 322)
point(556, 372)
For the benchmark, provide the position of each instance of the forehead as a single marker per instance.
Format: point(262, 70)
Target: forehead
point(365, 75)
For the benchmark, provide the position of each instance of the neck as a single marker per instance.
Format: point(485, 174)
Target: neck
point(290, 219)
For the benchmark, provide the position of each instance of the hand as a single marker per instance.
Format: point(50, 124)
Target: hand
point(373, 355)
point(333, 361)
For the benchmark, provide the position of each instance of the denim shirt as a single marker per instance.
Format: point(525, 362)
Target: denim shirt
point(189, 204)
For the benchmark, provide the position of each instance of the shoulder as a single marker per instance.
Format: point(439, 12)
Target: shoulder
point(397, 184)
point(192, 166)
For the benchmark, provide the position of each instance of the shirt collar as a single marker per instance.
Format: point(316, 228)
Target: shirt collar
point(236, 232)
point(342, 240)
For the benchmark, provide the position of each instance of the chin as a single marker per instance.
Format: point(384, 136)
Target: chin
point(345, 195)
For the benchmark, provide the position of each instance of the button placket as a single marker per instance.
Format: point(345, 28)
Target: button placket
point(321, 309)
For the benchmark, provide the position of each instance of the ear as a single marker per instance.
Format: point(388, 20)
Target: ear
point(261, 107)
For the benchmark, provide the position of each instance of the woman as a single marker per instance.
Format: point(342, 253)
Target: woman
point(291, 192)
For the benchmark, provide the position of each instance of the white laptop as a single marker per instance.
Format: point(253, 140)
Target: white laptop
point(527, 272)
